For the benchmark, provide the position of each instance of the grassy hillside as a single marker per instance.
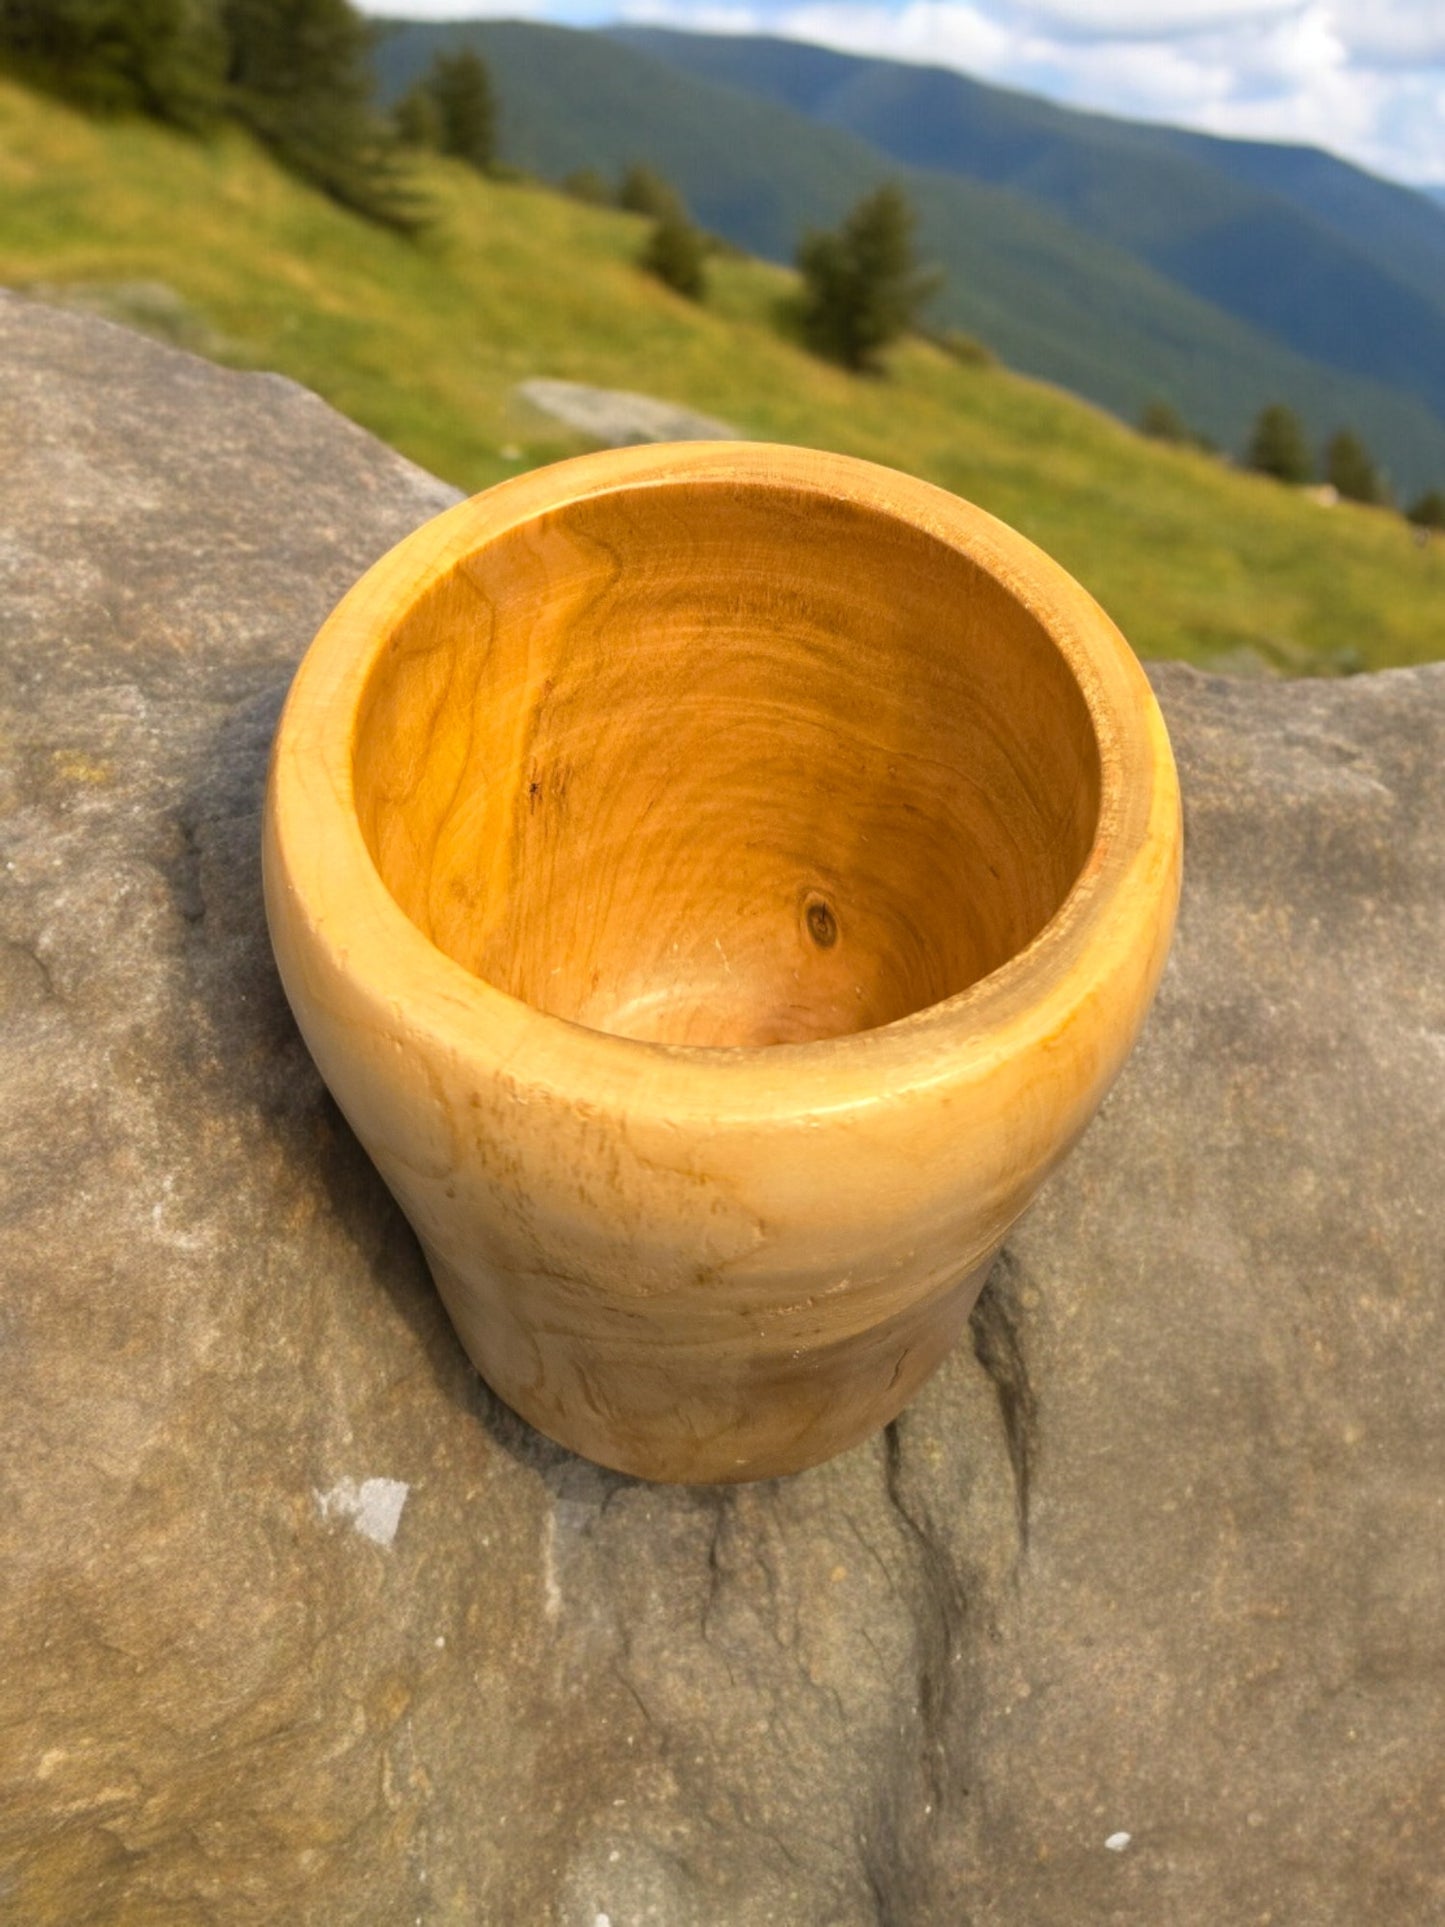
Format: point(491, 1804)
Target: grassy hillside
point(424, 345)
point(1073, 307)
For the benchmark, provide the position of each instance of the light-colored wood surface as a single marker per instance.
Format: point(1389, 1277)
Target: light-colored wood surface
point(717, 882)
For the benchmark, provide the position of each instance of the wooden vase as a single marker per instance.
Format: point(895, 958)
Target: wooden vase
point(718, 882)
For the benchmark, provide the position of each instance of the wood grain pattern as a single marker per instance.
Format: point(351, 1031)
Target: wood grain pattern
point(717, 882)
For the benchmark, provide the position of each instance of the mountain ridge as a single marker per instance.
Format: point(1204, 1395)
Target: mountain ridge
point(1335, 263)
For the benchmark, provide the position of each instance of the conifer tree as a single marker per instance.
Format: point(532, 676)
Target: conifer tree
point(417, 121)
point(643, 190)
point(676, 253)
point(299, 77)
point(1350, 467)
point(586, 184)
point(862, 287)
point(1277, 445)
point(1161, 421)
point(164, 58)
point(461, 88)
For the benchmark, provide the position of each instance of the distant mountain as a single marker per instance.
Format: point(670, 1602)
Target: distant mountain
point(1341, 266)
point(1399, 229)
point(1052, 296)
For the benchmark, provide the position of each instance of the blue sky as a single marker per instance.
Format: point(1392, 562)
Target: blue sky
point(1363, 77)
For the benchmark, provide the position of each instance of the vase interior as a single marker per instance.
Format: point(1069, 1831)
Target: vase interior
point(708, 765)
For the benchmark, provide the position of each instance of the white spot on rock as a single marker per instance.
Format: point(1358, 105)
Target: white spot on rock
point(1117, 1842)
point(373, 1507)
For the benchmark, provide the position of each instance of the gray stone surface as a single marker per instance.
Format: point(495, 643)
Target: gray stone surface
point(296, 1624)
point(616, 418)
point(153, 308)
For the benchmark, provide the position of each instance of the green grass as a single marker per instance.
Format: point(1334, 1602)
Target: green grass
point(424, 344)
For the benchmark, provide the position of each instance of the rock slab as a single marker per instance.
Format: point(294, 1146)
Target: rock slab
point(617, 418)
point(1134, 1616)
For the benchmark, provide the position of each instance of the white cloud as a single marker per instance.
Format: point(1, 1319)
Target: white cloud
point(465, 9)
point(941, 32)
point(1144, 19)
point(1391, 33)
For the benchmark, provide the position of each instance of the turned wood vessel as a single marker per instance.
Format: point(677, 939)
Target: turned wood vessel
point(718, 882)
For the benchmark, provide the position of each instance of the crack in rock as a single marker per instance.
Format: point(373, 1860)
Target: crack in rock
point(940, 1618)
point(996, 1329)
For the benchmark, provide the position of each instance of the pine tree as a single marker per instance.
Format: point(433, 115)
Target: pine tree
point(1161, 421)
point(1351, 469)
point(1427, 511)
point(300, 78)
point(1277, 445)
point(643, 190)
point(966, 349)
point(164, 58)
point(676, 253)
point(461, 86)
point(417, 121)
point(861, 284)
point(586, 184)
